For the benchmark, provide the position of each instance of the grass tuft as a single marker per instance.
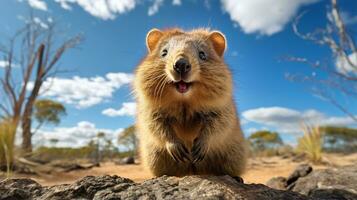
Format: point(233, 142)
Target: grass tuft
point(7, 140)
point(311, 143)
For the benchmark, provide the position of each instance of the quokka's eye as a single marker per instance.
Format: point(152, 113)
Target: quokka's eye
point(202, 55)
point(164, 53)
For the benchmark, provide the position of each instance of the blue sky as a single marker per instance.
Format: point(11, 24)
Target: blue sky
point(259, 34)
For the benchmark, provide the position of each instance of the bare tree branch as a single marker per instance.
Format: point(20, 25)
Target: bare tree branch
point(333, 78)
point(333, 101)
point(65, 46)
point(37, 57)
point(5, 110)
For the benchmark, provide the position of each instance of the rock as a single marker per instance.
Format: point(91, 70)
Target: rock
point(339, 182)
point(19, 189)
point(331, 183)
point(299, 158)
point(73, 166)
point(300, 171)
point(28, 162)
point(165, 187)
point(278, 183)
point(282, 183)
point(333, 194)
point(19, 168)
point(126, 160)
point(23, 169)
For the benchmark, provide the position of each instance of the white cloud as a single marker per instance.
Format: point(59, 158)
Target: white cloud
point(287, 120)
point(243, 121)
point(49, 20)
point(154, 8)
point(84, 92)
point(176, 2)
point(76, 136)
point(251, 130)
point(127, 109)
point(104, 9)
point(65, 4)
point(5, 63)
point(348, 19)
point(38, 4)
point(36, 20)
point(254, 16)
point(344, 66)
point(110, 9)
point(263, 16)
point(40, 23)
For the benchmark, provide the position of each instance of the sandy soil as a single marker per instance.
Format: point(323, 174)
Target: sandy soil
point(259, 170)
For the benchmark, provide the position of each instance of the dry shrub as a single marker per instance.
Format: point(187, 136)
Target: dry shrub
point(7, 140)
point(311, 143)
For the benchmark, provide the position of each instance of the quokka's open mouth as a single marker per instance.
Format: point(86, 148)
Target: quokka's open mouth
point(182, 86)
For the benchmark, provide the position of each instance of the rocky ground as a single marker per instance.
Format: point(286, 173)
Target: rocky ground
point(331, 183)
point(259, 169)
point(114, 187)
point(303, 183)
point(293, 180)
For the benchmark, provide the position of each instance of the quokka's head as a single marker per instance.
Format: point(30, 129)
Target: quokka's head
point(184, 67)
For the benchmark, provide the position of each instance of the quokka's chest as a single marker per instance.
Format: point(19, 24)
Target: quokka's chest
point(187, 132)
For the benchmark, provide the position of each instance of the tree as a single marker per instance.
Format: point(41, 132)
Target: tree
point(337, 79)
point(54, 141)
point(35, 50)
point(262, 140)
point(100, 136)
point(48, 111)
point(109, 148)
point(92, 149)
point(128, 138)
point(339, 139)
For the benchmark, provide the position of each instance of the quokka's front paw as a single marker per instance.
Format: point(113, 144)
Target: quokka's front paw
point(199, 150)
point(178, 151)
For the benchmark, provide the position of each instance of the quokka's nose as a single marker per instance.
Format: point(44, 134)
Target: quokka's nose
point(182, 66)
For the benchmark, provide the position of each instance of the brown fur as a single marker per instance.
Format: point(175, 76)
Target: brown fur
point(203, 120)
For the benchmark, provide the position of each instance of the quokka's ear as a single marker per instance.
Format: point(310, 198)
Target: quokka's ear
point(219, 42)
point(152, 38)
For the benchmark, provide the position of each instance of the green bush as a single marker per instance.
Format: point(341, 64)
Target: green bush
point(128, 139)
point(265, 143)
point(339, 139)
point(56, 153)
point(48, 154)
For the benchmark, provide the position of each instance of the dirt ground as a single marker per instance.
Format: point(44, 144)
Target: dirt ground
point(259, 170)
